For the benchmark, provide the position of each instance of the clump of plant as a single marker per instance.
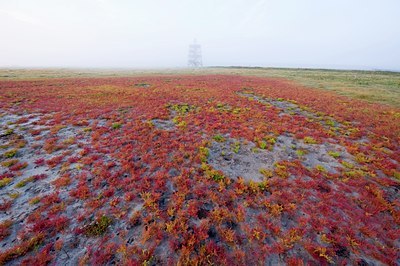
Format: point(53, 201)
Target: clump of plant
point(8, 132)
point(55, 129)
point(216, 175)
point(256, 187)
point(34, 200)
point(51, 146)
point(5, 229)
point(182, 124)
point(320, 168)
point(54, 161)
point(330, 122)
point(262, 144)
point(134, 220)
point(309, 140)
point(204, 153)
point(275, 209)
point(116, 125)
point(219, 138)
point(10, 153)
point(14, 195)
point(212, 173)
point(21, 249)
point(362, 158)
point(236, 147)
point(98, 227)
point(347, 164)
point(9, 163)
point(182, 108)
point(24, 182)
point(396, 175)
point(266, 173)
point(4, 146)
point(281, 170)
point(270, 139)
point(62, 181)
point(223, 107)
point(334, 154)
point(355, 173)
point(301, 153)
point(237, 110)
point(20, 144)
point(262, 185)
point(5, 181)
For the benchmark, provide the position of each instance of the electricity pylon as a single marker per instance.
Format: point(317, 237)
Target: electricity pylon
point(194, 59)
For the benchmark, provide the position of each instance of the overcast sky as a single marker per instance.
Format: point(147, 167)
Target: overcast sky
point(362, 34)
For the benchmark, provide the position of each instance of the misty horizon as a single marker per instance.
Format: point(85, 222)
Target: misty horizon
point(156, 34)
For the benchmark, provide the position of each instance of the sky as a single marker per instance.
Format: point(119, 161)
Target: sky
point(344, 34)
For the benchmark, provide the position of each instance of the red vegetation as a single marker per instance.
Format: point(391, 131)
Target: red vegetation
point(137, 155)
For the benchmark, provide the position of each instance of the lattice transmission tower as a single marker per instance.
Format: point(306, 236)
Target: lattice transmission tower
point(194, 58)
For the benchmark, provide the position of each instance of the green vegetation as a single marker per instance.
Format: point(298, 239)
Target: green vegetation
point(309, 140)
point(334, 154)
point(320, 168)
point(204, 153)
point(182, 109)
point(301, 153)
point(14, 195)
point(266, 173)
point(217, 176)
point(219, 138)
point(10, 153)
point(99, 227)
point(262, 144)
point(347, 164)
point(5, 181)
point(271, 140)
point(9, 163)
point(396, 175)
point(34, 200)
point(8, 132)
point(212, 173)
point(236, 147)
point(24, 182)
point(330, 122)
point(116, 125)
